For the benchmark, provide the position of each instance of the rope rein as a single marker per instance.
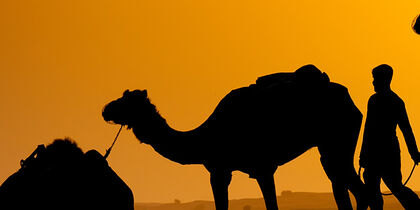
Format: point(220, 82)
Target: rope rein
point(108, 151)
point(405, 183)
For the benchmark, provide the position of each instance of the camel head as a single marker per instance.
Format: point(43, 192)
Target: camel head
point(129, 109)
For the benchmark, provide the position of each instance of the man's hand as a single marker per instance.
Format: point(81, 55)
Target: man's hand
point(416, 158)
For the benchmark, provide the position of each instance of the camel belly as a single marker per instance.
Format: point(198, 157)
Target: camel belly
point(264, 153)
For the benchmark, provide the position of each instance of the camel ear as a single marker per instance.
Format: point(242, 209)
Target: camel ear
point(126, 92)
point(145, 93)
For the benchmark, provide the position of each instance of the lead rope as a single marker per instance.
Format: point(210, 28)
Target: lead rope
point(108, 151)
point(405, 183)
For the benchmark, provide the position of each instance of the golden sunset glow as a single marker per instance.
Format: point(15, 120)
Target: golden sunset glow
point(62, 61)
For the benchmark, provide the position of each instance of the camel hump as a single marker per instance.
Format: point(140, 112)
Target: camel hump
point(305, 75)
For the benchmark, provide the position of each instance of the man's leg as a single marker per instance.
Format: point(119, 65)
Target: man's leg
point(373, 187)
point(392, 178)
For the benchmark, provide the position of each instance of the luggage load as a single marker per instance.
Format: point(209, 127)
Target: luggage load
point(306, 75)
point(61, 176)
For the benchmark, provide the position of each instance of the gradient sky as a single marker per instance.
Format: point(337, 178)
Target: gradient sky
point(62, 61)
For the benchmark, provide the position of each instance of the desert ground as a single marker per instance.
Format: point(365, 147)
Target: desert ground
point(286, 201)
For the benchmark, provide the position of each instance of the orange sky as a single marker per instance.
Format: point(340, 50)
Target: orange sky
point(62, 61)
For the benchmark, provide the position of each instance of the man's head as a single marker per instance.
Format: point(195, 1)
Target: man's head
point(382, 76)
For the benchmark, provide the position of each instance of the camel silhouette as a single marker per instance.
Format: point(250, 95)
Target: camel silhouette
point(61, 176)
point(255, 129)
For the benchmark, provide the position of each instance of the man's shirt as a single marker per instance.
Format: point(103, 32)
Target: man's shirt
point(380, 144)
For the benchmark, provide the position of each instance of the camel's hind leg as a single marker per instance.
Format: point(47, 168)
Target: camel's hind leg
point(343, 177)
point(358, 189)
point(341, 183)
point(269, 191)
point(340, 189)
point(220, 180)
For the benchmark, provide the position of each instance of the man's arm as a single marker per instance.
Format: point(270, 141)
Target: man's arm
point(407, 131)
point(364, 151)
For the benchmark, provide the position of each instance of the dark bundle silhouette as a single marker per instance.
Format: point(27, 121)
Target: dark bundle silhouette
point(416, 24)
point(255, 129)
point(61, 176)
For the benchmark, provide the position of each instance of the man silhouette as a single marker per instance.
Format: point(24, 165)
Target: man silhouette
point(380, 155)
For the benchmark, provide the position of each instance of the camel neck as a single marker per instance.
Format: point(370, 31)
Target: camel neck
point(178, 146)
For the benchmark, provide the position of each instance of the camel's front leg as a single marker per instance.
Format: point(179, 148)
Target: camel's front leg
point(268, 189)
point(220, 181)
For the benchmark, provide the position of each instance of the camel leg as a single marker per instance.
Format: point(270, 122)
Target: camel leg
point(220, 181)
point(358, 189)
point(333, 169)
point(343, 178)
point(268, 189)
point(341, 196)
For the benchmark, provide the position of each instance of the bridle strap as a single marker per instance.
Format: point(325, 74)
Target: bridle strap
point(108, 151)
